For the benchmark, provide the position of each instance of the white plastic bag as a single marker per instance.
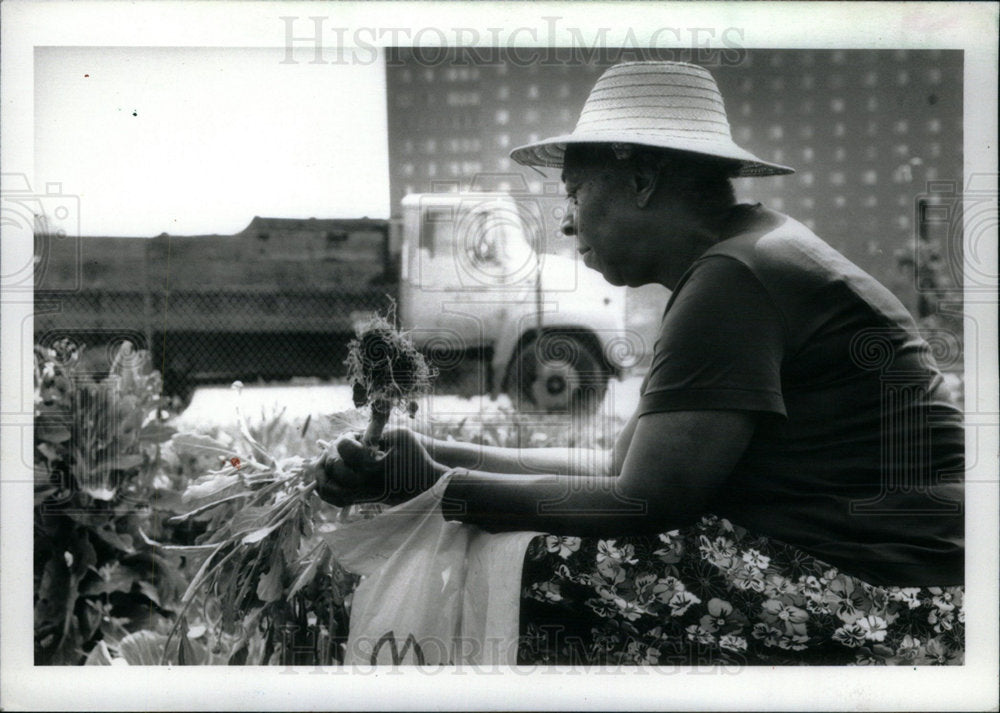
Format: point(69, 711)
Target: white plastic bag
point(433, 592)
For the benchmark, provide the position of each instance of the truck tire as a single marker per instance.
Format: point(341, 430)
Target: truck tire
point(557, 373)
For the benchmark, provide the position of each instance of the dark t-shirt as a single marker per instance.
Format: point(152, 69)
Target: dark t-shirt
point(858, 457)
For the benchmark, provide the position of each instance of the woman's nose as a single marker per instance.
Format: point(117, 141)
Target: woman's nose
point(568, 225)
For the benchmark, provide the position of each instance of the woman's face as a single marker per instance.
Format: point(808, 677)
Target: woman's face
point(597, 214)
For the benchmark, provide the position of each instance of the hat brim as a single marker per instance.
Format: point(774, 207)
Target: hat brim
point(551, 152)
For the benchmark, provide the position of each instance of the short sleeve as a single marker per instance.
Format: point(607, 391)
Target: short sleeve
point(720, 345)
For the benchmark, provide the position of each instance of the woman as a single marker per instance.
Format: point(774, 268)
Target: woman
point(779, 495)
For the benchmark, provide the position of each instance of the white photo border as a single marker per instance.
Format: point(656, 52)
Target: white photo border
point(786, 25)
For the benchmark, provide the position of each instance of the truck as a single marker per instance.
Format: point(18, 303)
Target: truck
point(465, 274)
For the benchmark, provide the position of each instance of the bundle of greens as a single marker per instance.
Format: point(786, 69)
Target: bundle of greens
point(265, 563)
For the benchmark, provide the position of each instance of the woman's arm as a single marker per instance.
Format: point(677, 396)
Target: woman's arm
point(675, 464)
point(494, 459)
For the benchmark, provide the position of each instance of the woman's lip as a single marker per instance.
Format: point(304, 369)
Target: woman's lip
point(583, 251)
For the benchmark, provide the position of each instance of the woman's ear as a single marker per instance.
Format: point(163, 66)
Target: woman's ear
point(645, 179)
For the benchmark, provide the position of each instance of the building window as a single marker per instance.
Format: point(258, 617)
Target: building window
point(502, 117)
point(503, 92)
point(533, 91)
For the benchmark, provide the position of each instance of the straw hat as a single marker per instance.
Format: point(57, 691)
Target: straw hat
point(670, 105)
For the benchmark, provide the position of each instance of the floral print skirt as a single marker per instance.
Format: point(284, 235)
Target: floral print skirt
point(714, 593)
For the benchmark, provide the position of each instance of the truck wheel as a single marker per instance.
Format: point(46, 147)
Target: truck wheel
point(557, 373)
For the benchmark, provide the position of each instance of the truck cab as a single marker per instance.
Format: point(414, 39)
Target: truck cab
point(471, 280)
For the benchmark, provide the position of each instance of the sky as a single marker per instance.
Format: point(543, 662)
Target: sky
point(199, 140)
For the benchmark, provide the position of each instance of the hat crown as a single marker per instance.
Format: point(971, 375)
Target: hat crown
point(662, 98)
point(670, 105)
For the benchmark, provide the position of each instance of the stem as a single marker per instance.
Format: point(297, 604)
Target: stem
point(381, 408)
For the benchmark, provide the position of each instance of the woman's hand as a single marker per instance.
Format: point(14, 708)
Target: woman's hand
point(351, 473)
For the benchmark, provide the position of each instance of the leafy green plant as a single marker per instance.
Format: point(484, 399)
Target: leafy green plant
point(96, 446)
point(264, 563)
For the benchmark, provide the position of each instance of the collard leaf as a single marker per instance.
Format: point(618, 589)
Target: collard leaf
point(89, 618)
point(99, 655)
point(52, 433)
point(187, 654)
point(157, 432)
point(127, 461)
point(143, 648)
point(114, 578)
point(289, 539)
point(210, 487)
point(239, 656)
point(102, 493)
point(120, 541)
point(48, 451)
point(43, 494)
point(199, 445)
point(269, 588)
point(150, 592)
point(248, 517)
point(306, 576)
point(258, 535)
